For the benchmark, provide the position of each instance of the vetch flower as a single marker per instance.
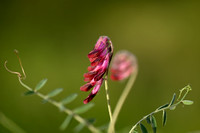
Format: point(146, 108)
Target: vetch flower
point(123, 65)
point(100, 58)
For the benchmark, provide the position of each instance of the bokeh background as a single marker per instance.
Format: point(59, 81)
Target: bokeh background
point(54, 37)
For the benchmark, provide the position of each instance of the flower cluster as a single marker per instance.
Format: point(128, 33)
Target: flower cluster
point(123, 65)
point(100, 58)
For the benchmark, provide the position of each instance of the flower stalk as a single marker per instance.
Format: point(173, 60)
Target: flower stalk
point(124, 65)
point(121, 101)
point(108, 102)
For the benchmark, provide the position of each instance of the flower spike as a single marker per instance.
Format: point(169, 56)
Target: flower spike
point(100, 58)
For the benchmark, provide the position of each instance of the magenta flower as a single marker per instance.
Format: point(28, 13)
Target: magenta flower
point(123, 65)
point(100, 58)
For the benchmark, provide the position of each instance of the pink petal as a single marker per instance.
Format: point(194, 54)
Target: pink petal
point(94, 92)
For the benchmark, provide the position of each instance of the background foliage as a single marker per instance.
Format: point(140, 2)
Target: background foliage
point(54, 37)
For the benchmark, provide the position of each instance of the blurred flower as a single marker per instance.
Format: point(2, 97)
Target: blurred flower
point(100, 58)
point(123, 65)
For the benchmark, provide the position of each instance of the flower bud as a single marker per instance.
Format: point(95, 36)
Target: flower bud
point(123, 65)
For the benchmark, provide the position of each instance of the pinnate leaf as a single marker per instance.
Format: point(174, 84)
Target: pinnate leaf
point(69, 99)
point(40, 84)
point(54, 92)
point(143, 128)
point(83, 108)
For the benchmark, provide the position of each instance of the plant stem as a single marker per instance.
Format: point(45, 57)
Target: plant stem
point(10, 125)
point(187, 88)
point(108, 101)
point(66, 110)
point(122, 100)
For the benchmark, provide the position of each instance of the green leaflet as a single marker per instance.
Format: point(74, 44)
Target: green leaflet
point(91, 120)
point(148, 120)
point(143, 128)
point(54, 92)
point(83, 108)
point(164, 117)
point(153, 123)
point(172, 108)
point(29, 93)
point(79, 127)
point(187, 102)
point(173, 99)
point(66, 122)
point(163, 106)
point(135, 131)
point(69, 99)
point(40, 84)
point(104, 127)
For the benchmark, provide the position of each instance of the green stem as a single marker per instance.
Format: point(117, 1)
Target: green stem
point(108, 101)
point(10, 125)
point(122, 100)
point(187, 88)
point(66, 110)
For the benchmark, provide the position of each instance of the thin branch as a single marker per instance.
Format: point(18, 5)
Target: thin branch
point(187, 88)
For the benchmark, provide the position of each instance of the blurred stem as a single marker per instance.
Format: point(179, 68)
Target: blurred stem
point(66, 110)
point(187, 88)
point(108, 101)
point(9, 124)
point(122, 100)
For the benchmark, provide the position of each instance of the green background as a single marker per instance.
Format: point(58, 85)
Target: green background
point(54, 38)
